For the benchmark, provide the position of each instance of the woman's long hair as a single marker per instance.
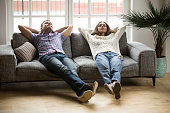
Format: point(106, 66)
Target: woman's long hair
point(96, 32)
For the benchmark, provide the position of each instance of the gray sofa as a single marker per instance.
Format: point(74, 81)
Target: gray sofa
point(139, 61)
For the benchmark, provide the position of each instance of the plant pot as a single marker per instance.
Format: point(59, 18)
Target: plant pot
point(161, 67)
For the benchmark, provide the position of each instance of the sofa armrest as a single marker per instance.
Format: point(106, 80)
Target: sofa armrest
point(145, 56)
point(8, 64)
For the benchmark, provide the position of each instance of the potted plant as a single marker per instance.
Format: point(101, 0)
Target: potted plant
point(158, 21)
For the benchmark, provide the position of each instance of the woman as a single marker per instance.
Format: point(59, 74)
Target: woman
point(104, 45)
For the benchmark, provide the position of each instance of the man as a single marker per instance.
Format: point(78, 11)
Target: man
point(52, 56)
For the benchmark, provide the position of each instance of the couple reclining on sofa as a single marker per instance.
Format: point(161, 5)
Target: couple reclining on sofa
point(104, 45)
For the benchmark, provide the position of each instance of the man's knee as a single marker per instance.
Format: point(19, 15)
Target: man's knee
point(62, 69)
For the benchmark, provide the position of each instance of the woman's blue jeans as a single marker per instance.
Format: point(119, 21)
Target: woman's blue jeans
point(109, 65)
point(61, 65)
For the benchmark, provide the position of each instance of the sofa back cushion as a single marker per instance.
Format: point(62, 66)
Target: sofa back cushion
point(123, 44)
point(80, 46)
point(18, 39)
point(67, 47)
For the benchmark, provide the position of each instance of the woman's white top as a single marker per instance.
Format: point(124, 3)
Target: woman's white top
point(100, 44)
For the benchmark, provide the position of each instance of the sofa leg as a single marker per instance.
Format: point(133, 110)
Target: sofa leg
point(154, 80)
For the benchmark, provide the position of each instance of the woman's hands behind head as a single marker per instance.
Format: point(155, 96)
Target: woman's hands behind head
point(114, 30)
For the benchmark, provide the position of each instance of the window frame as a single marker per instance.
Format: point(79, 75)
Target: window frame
point(89, 15)
point(30, 16)
point(68, 14)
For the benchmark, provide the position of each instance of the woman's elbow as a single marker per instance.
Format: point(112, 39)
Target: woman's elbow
point(71, 27)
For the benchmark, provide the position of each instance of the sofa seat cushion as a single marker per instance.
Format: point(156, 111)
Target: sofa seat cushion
point(33, 71)
point(87, 67)
point(130, 67)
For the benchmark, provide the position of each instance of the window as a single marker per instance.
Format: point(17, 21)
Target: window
point(87, 13)
point(33, 12)
point(80, 13)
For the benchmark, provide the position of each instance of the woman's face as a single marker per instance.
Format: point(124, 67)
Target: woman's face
point(102, 27)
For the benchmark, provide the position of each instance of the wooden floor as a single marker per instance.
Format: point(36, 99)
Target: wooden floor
point(137, 96)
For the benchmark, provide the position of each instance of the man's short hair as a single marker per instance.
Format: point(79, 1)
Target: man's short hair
point(43, 22)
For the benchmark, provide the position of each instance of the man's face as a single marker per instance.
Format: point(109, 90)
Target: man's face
point(102, 28)
point(47, 26)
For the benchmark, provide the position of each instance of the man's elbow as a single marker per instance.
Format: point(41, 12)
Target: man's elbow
point(20, 27)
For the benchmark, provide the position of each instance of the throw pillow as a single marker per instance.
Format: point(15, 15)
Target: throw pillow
point(25, 52)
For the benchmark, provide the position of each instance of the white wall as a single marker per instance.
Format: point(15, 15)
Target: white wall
point(143, 35)
point(3, 17)
point(167, 52)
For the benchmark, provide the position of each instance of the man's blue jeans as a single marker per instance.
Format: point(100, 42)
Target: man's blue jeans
point(109, 65)
point(61, 65)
